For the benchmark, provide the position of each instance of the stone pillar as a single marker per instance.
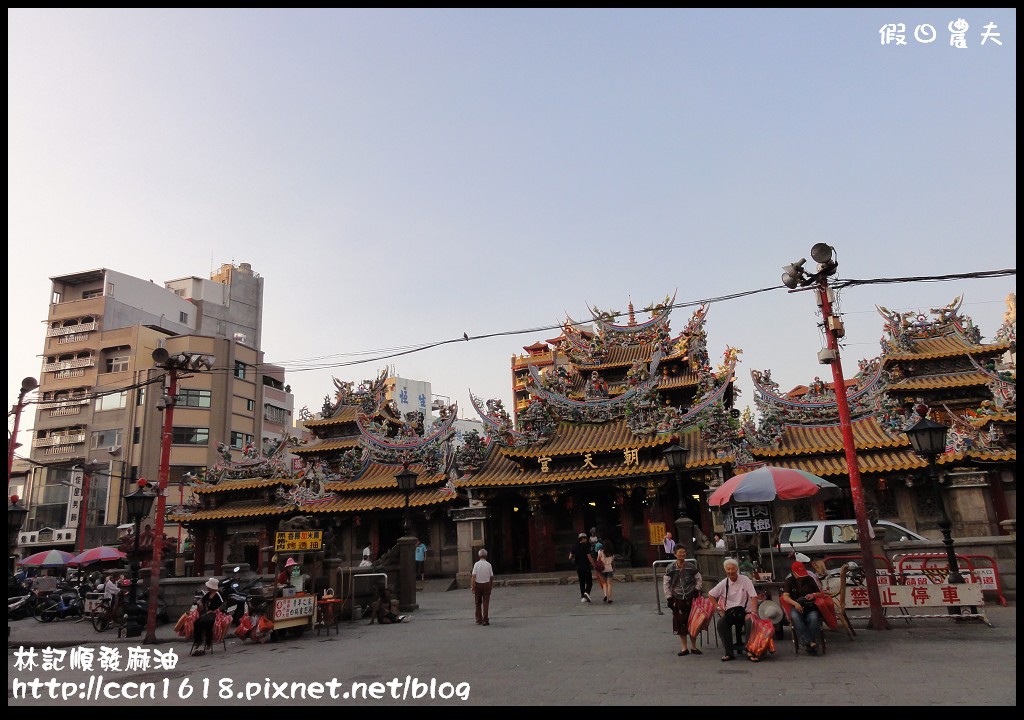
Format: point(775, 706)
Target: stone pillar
point(470, 525)
point(684, 535)
point(407, 573)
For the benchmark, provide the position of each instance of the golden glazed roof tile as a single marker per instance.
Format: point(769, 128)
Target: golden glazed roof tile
point(834, 466)
point(939, 382)
point(945, 346)
point(342, 443)
point(226, 486)
point(366, 502)
point(574, 438)
point(804, 439)
point(348, 414)
point(233, 511)
point(504, 473)
point(382, 477)
point(682, 380)
point(981, 421)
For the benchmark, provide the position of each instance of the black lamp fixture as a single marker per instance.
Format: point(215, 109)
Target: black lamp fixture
point(137, 506)
point(928, 439)
point(675, 455)
point(15, 519)
point(406, 480)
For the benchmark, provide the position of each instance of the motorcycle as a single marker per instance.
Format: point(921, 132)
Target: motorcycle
point(62, 603)
point(19, 607)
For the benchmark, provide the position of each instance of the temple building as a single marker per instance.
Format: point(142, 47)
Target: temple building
point(598, 412)
point(937, 360)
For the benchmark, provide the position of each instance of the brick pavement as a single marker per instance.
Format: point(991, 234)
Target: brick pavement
point(544, 647)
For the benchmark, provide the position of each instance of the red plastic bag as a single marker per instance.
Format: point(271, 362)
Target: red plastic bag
point(827, 608)
point(762, 636)
point(185, 627)
point(701, 612)
point(245, 626)
point(220, 626)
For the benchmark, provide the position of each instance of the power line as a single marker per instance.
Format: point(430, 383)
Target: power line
point(839, 284)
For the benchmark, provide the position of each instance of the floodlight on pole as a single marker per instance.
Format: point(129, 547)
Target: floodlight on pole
point(27, 385)
point(172, 363)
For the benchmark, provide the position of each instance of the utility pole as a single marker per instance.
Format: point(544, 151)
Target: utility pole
point(172, 363)
point(795, 275)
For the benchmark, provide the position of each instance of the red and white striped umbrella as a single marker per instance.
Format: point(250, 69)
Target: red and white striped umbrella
point(47, 559)
point(772, 484)
point(100, 554)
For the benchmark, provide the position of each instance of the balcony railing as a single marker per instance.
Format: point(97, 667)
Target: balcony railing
point(59, 450)
point(54, 440)
point(71, 329)
point(64, 411)
point(65, 374)
point(65, 402)
point(69, 364)
point(79, 337)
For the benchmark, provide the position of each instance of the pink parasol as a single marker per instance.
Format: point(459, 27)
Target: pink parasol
point(97, 555)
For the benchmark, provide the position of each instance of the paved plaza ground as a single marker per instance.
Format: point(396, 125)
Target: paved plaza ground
point(544, 647)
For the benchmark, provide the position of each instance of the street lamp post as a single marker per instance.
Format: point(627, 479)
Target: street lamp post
point(83, 509)
point(15, 519)
point(928, 439)
point(406, 480)
point(793, 277)
point(27, 385)
point(675, 457)
point(137, 505)
point(172, 363)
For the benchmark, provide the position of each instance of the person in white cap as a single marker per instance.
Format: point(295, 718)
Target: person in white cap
point(581, 558)
point(207, 606)
point(481, 583)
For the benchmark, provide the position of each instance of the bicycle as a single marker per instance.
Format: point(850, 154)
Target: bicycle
point(111, 614)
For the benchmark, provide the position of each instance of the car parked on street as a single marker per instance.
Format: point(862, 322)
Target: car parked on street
point(817, 538)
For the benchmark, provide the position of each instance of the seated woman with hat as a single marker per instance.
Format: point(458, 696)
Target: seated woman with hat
point(207, 605)
point(285, 576)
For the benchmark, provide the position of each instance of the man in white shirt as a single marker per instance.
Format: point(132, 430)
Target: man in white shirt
point(482, 580)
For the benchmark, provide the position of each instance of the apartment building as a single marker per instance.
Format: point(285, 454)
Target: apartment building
point(99, 409)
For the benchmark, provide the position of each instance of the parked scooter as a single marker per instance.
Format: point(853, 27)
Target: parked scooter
point(62, 603)
point(19, 607)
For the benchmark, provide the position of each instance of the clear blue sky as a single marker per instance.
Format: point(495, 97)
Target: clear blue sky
point(401, 177)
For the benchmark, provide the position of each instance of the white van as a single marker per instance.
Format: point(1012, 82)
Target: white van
point(817, 538)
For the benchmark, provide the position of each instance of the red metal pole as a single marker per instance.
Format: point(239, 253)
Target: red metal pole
point(877, 620)
point(156, 564)
point(82, 521)
point(13, 443)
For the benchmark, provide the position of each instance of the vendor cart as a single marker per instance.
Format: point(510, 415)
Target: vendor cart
point(294, 605)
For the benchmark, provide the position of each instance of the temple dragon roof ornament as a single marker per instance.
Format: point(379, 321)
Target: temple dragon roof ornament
point(369, 395)
point(253, 464)
point(1002, 383)
point(398, 442)
point(906, 327)
point(536, 424)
